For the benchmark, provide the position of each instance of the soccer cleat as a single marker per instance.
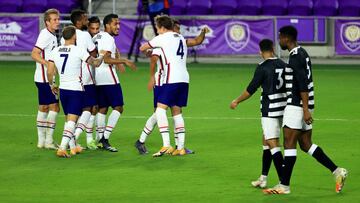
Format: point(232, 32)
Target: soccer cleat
point(278, 189)
point(106, 146)
point(340, 176)
point(62, 153)
point(189, 151)
point(259, 183)
point(77, 150)
point(51, 146)
point(91, 145)
point(178, 152)
point(164, 150)
point(141, 147)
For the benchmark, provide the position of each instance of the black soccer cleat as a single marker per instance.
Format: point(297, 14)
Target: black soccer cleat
point(106, 146)
point(141, 147)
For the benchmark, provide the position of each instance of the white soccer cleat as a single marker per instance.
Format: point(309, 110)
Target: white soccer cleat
point(259, 183)
point(51, 146)
point(340, 175)
point(278, 189)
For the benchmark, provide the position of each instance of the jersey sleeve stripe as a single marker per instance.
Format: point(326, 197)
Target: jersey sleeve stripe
point(92, 50)
point(52, 61)
point(39, 48)
point(150, 45)
point(87, 59)
point(42, 66)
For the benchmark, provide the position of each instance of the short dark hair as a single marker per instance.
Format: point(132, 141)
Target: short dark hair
point(68, 32)
point(75, 15)
point(108, 18)
point(289, 31)
point(94, 19)
point(164, 21)
point(266, 45)
point(176, 21)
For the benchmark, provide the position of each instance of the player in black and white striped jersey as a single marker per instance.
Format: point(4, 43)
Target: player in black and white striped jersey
point(269, 74)
point(297, 121)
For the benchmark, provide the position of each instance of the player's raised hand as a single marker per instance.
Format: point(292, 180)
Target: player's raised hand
point(151, 84)
point(205, 30)
point(233, 104)
point(131, 65)
point(54, 89)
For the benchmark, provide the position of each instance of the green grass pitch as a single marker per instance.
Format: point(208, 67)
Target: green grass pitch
point(227, 144)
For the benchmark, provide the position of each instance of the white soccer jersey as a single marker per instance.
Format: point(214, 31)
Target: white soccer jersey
point(174, 52)
point(46, 42)
point(105, 74)
point(84, 40)
point(68, 60)
point(159, 76)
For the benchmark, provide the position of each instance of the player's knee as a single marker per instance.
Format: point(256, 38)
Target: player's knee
point(119, 109)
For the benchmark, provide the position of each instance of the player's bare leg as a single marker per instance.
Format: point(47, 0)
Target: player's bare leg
point(315, 151)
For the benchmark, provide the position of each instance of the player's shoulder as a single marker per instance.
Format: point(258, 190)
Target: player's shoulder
point(46, 34)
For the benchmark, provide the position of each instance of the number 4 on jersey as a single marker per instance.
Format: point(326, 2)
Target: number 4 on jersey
point(180, 51)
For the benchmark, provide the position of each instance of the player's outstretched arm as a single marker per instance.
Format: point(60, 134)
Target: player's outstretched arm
point(109, 60)
point(199, 39)
point(36, 56)
point(96, 61)
point(145, 47)
point(244, 96)
point(307, 115)
point(120, 67)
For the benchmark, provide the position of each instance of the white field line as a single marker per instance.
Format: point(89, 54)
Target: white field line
point(186, 117)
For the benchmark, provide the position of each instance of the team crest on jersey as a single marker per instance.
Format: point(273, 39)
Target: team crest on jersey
point(350, 36)
point(148, 32)
point(237, 35)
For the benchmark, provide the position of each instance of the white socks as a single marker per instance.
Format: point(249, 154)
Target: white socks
point(149, 126)
point(89, 129)
point(41, 123)
point(112, 120)
point(82, 122)
point(179, 130)
point(163, 125)
point(100, 121)
point(68, 134)
point(51, 123)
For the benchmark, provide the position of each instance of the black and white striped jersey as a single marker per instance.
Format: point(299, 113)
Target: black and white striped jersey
point(298, 77)
point(270, 76)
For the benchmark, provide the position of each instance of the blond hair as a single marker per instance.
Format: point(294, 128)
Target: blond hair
point(49, 12)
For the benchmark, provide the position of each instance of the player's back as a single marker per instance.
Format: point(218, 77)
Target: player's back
point(173, 46)
point(273, 97)
point(299, 72)
point(68, 60)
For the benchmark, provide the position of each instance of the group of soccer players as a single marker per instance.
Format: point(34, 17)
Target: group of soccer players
point(86, 62)
point(287, 101)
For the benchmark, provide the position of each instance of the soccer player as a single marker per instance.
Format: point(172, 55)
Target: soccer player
point(94, 26)
point(48, 103)
point(107, 81)
point(67, 59)
point(175, 82)
point(269, 74)
point(155, 59)
point(297, 121)
point(83, 40)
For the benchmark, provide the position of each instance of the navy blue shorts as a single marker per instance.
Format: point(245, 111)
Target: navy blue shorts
point(71, 101)
point(45, 95)
point(156, 94)
point(109, 95)
point(175, 94)
point(89, 98)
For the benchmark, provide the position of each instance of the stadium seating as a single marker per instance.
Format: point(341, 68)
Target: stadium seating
point(249, 7)
point(300, 7)
point(37, 6)
point(198, 7)
point(349, 8)
point(325, 7)
point(221, 7)
point(10, 6)
point(178, 7)
point(274, 7)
